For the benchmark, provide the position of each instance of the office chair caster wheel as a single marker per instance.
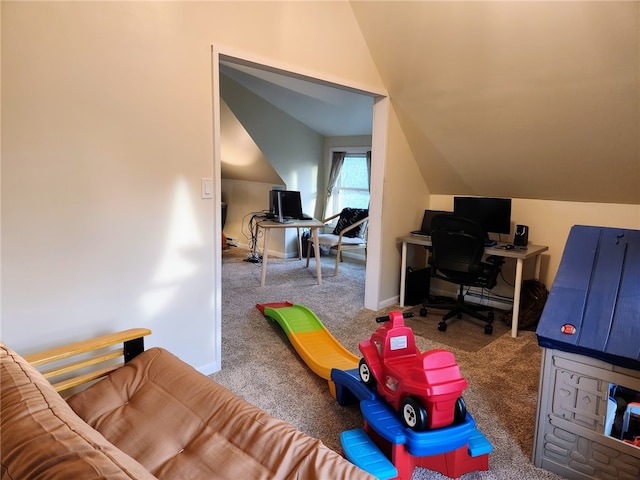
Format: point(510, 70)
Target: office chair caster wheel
point(488, 329)
point(423, 312)
point(442, 327)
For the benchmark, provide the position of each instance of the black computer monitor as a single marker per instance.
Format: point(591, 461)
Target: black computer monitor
point(494, 214)
point(285, 204)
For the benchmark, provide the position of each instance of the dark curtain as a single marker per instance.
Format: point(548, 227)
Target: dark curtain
point(337, 160)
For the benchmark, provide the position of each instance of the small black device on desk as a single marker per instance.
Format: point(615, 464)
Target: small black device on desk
point(521, 236)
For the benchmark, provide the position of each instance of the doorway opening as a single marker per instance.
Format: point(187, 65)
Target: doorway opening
point(290, 76)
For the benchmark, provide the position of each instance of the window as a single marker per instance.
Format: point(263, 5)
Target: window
point(352, 186)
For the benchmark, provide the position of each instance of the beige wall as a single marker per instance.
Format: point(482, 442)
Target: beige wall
point(405, 197)
point(550, 221)
point(107, 131)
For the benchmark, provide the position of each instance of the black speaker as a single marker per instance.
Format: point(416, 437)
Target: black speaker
point(521, 237)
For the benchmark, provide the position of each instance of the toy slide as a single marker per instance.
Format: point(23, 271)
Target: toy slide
point(313, 342)
point(385, 447)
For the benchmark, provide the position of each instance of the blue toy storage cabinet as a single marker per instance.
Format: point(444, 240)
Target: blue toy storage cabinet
point(590, 334)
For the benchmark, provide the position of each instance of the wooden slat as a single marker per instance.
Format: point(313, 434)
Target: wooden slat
point(66, 351)
point(71, 367)
point(94, 354)
point(81, 379)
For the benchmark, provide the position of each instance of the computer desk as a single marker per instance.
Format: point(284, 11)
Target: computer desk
point(520, 254)
point(313, 225)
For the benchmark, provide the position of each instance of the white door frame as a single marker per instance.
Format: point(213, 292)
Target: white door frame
point(378, 166)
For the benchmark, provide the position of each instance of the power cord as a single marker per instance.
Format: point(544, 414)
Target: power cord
point(252, 234)
point(505, 280)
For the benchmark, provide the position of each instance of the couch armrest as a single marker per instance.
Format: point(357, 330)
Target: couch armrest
point(94, 353)
point(43, 439)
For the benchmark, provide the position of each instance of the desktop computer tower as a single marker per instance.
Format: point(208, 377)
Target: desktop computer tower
point(417, 286)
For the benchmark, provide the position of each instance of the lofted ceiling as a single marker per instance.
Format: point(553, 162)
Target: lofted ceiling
point(537, 100)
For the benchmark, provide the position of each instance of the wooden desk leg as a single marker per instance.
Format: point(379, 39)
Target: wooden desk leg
point(299, 244)
point(516, 298)
point(536, 271)
point(316, 248)
point(265, 255)
point(403, 273)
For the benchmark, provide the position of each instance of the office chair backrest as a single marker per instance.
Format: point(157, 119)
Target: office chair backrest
point(457, 244)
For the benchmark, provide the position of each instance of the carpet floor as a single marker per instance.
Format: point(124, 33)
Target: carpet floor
point(260, 365)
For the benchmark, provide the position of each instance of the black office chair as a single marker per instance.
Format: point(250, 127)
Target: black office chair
point(456, 256)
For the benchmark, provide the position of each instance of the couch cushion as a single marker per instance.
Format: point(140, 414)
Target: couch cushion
point(181, 424)
point(42, 438)
point(348, 217)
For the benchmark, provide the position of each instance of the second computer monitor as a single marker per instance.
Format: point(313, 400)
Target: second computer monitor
point(494, 214)
point(285, 204)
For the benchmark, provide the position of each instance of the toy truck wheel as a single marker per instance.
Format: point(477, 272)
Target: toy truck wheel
point(365, 373)
point(460, 412)
point(413, 414)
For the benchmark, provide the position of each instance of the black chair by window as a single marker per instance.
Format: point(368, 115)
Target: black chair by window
point(457, 257)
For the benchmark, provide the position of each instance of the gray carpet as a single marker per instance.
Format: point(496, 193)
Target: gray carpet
point(260, 365)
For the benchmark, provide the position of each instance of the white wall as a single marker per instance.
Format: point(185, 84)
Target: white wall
point(107, 131)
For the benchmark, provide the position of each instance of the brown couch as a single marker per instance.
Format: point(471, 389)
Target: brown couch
point(154, 417)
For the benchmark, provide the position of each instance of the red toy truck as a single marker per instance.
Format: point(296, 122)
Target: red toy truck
point(426, 388)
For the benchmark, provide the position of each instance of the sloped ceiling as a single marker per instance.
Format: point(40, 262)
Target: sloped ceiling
point(328, 110)
point(519, 99)
point(325, 109)
point(240, 157)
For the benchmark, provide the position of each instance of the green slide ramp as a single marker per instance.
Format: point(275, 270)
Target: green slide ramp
point(313, 342)
point(295, 319)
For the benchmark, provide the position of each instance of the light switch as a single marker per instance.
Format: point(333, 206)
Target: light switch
point(207, 188)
